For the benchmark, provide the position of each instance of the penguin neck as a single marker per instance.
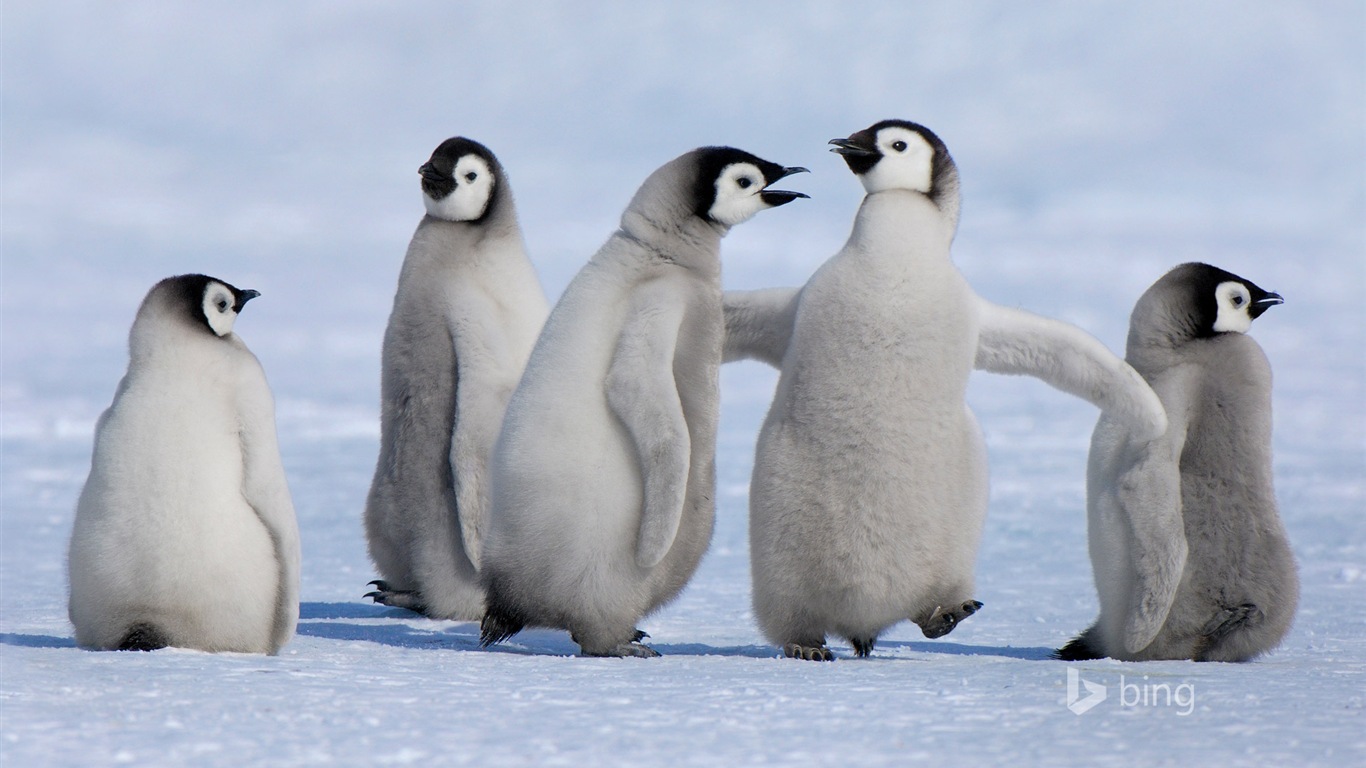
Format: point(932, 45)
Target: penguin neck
point(1160, 328)
point(468, 239)
point(688, 241)
point(161, 335)
point(902, 223)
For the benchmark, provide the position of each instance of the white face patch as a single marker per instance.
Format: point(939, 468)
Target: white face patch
point(737, 194)
point(473, 189)
point(219, 308)
point(1233, 302)
point(907, 162)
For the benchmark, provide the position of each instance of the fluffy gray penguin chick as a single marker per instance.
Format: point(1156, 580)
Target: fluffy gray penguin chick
point(604, 475)
point(1189, 555)
point(870, 478)
point(185, 533)
point(466, 314)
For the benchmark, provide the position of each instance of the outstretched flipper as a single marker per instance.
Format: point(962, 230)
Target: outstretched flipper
point(1013, 341)
point(643, 394)
point(759, 324)
point(396, 598)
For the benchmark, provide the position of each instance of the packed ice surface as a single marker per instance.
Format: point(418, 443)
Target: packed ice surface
point(1097, 150)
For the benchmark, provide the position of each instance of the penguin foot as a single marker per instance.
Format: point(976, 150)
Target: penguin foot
point(396, 598)
point(1232, 619)
point(809, 652)
point(863, 646)
point(941, 621)
point(632, 649)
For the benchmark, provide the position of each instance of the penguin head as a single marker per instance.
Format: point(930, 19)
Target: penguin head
point(202, 302)
point(732, 185)
point(220, 304)
point(1202, 301)
point(899, 154)
point(459, 181)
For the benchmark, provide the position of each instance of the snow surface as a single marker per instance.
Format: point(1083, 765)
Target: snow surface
point(274, 145)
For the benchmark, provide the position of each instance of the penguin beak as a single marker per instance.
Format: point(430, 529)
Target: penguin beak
point(776, 197)
point(1263, 304)
point(854, 146)
point(243, 297)
point(428, 172)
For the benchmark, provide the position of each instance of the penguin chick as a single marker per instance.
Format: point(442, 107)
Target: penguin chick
point(1189, 555)
point(185, 533)
point(604, 474)
point(870, 487)
point(466, 314)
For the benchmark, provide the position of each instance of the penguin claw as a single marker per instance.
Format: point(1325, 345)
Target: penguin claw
point(863, 646)
point(396, 598)
point(808, 652)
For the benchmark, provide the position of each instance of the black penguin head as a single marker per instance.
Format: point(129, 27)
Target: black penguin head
point(732, 185)
point(1209, 301)
point(899, 154)
point(208, 302)
point(459, 181)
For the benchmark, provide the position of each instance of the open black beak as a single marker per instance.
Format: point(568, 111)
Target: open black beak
point(852, 147)
point(243, 297)
point(776, 197)
point(1263, 304)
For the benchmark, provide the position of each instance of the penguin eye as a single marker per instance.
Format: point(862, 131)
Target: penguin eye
point(471, 176)
point(899, 146)
point(744, 182)
point(1237, 301)
point(222, 304)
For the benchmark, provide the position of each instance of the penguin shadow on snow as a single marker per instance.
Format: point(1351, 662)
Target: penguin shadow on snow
point(960, 649)
point(36, 641)
point(328, 621)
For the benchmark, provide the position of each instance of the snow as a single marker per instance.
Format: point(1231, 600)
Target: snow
point(275, 146)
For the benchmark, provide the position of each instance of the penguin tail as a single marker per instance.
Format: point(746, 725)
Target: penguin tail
point(498, 626)
point(1083, 647)
point(143, 637)
point(501, 618)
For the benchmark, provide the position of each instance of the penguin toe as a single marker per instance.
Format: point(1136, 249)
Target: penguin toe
point(808, 652)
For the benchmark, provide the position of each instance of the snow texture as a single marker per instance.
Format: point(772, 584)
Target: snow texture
point(274, 145)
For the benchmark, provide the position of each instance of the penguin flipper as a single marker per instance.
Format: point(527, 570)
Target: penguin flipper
point(1148, 493)
point(1012, 341)
point(643, 394)
point(266, 489)
point(759, 324)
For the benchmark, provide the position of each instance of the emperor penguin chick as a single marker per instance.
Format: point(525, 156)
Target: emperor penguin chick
point(604, 475)
point(869, 489)
point(466, 314)
point(185, 533)
point(1189, 555)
